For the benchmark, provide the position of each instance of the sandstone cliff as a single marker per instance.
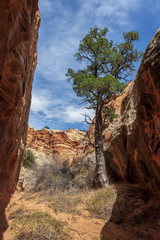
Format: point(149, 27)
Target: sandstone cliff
point(60, 145)
point(133, 150)
point(52, 150)
point(19, 23)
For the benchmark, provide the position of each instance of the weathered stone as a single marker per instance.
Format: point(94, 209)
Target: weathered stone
point(19, 23)
point(133, 150)
point(60, 145)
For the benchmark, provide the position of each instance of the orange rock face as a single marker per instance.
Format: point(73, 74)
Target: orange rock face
point(61, 145)
point(19, 23)
point(133, 150)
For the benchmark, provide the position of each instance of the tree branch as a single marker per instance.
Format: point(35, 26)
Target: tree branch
point(89, 140)
point(88, 118)
point(83, 56)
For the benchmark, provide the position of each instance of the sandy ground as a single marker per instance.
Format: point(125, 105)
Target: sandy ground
point(80, 226)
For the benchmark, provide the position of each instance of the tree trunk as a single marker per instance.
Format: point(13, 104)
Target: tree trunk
point(101, 175)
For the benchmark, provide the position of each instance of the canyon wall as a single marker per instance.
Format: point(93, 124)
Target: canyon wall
point(133, 150)
point(58, 145)
point(19, 23)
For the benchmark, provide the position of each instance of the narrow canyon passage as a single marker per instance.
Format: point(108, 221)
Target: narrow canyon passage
point(54, 197)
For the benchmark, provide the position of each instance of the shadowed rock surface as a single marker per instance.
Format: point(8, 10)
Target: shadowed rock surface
point(133, 150)
point(133, 155)
point(19, 23)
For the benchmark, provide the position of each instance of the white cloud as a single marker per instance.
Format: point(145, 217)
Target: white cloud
point(43, 100)
point(43, 103)
point(74, 114)
point(39, 104)
point(70, 113)
point(54, 59)
point(62, 28)
point(111, 11)
point(60, 108)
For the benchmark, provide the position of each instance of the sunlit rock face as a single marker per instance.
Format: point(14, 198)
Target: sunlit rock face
point(19, 23)
point(133, 150)
point(59, 145)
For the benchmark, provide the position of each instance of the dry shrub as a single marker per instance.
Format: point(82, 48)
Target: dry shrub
point(64, 203)
point(55, 178)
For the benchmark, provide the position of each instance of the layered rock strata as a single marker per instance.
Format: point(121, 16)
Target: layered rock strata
point(19, 23)
point(60, 145)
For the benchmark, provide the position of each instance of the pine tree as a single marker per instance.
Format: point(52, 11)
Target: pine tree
point(108, 65)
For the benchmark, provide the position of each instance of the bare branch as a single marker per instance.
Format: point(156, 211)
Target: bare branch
point(89, 140)
point(86, 57)
point(87, 116)
point(88, 119)
point(91, 107)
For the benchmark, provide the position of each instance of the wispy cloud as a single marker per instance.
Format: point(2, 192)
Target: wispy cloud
point(66, 26)
point(52, 106)
point(63, 25)
point(69, 114)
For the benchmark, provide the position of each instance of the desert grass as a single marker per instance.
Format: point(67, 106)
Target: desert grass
point(101, 203)
point(37, 225)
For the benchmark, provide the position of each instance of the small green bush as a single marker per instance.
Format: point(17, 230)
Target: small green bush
point(28, 158)
point(45, 127)
point(109, 113)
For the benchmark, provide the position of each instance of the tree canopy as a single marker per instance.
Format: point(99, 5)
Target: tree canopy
point(107, 64)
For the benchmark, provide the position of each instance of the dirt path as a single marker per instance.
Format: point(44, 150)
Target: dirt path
point(80, 223)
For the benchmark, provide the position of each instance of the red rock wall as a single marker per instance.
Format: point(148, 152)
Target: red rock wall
point(19, 23)
point(60, 145)
point(133, 151)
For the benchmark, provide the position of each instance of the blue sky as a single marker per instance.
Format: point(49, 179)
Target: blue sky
point(63, 24)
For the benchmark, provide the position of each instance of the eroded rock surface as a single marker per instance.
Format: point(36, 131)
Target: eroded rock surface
point(60, 145)
point(19, 23)
point(52, 149)
point(133, 151)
